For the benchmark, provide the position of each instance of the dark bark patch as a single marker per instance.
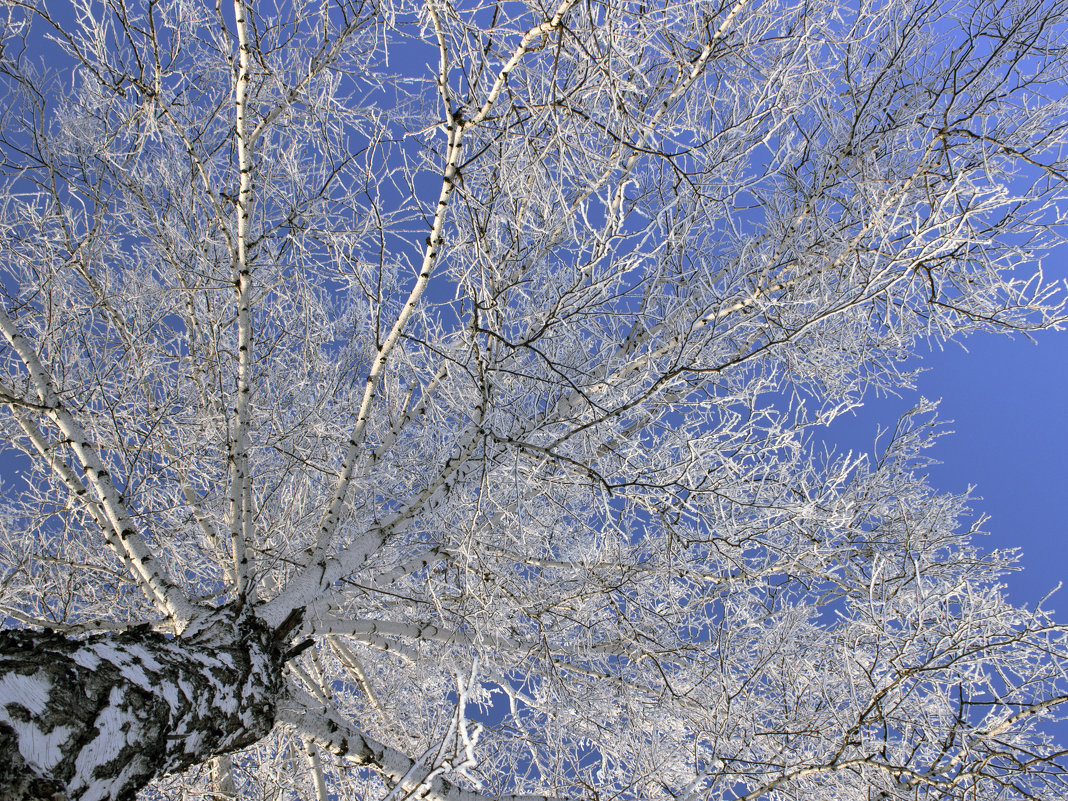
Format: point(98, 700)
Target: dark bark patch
point(100, 717)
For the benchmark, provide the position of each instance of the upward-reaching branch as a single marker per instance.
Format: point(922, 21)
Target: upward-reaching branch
point(119, 529)
point(316, 571)
point(241, 512)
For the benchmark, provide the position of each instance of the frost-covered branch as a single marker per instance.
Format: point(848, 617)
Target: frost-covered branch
point(345, 740)
point(114, 518)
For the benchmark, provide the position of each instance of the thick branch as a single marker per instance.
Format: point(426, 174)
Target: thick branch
point(341, 737)
point(118, 525)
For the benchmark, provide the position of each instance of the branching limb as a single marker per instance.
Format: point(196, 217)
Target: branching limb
point(455, 130)
point(332, 514)
point(72, 629)
point(352, 663)
point(526, 44)
point(360, 629)
point(316, 765)
point(112, 515)
point(340, 736)
point(314, 580)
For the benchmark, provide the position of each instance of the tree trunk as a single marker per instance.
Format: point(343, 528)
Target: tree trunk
point(98, 718)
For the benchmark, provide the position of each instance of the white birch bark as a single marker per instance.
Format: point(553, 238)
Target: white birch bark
point(98, 718)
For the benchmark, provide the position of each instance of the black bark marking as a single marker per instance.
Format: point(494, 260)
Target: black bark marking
point(159, 704)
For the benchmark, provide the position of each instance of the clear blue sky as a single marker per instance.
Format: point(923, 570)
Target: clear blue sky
point(1008, 400)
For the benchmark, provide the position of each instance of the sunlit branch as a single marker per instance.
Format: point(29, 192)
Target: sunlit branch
point(341, 737)
point(130, 341)
point(115, 520)
point(352, 663)
point(73, 629)
point(321, 574)
point(332, 514)
point(240, 513)
point(524, 46)
point(359, 629)
point(316, 765)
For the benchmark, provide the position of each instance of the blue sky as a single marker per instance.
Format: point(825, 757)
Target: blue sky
point(1007, 399)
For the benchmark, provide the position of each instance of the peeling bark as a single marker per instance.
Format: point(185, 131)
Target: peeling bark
point(99, 718)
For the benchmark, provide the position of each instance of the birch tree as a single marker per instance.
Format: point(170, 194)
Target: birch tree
point(423, 399)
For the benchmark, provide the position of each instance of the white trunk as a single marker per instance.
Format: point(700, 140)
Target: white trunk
point(99, 718)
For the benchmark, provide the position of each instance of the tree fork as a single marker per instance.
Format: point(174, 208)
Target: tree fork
point(100, 717)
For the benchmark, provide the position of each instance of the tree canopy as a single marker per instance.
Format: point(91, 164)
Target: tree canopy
point(474, 356)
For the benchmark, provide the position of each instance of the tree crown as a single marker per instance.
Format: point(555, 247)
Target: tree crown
point(476, 349)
